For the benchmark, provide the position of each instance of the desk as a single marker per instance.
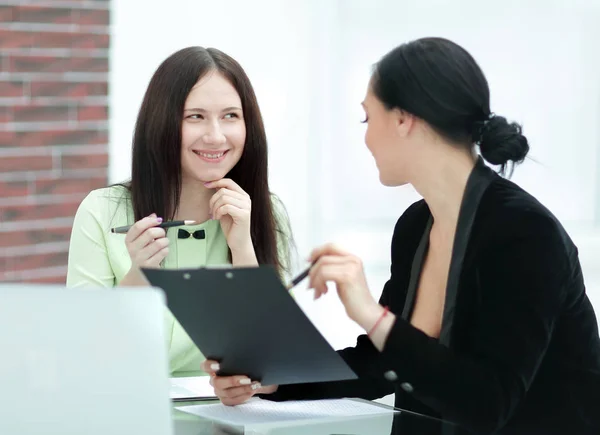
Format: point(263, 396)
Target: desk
point(400, 423)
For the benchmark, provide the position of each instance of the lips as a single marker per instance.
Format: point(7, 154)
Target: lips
point(210, 155)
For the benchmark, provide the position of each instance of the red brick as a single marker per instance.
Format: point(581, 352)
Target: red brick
point(37, 261)
point(13, 188)
point(92, 113)
point(93, 17)
point(41, 113)
point(7, 13)
point(29, 163)
point(33, 237)
point(6, 114)
point(62, 279)
point(32, 113)
point(71, 40)
point(8, 138)
point(55, 64)
point(38, 14)
point(54, 137)
point(15, 39)
point(84, 161)
point(67, 185)
point(24, 39)
point(39, 211)
point(11, 89)
point(68, 89)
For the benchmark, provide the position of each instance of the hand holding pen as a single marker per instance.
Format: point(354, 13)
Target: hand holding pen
point(146, 242)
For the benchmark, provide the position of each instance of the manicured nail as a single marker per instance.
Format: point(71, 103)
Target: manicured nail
point(256, 386)
point(215, 367)
point(159, 220)
point(210, 216)
point(207, 184)
point(245, 381)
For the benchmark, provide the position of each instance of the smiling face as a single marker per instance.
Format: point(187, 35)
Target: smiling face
point(213, 130)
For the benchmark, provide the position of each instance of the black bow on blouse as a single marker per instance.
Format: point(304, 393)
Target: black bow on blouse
point(198, 234)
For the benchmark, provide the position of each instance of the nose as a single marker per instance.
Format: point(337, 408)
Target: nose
point(214, 135)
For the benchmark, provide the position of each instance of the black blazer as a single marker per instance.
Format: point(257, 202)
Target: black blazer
point(519, 351)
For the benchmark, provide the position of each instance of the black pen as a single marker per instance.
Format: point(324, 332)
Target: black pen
point(299, 278)
point(123, 230)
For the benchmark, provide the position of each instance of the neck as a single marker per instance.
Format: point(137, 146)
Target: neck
point(194, 201)
point(441, 180)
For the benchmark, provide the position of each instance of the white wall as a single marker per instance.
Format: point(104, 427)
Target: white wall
point(310, 61)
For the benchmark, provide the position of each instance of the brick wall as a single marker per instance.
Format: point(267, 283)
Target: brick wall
point(53, 128)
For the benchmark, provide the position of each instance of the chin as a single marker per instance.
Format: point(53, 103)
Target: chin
point(391, 181)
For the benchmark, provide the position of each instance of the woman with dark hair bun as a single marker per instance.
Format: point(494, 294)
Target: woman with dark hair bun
point(484, 321)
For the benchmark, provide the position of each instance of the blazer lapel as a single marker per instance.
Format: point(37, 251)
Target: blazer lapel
point(478, 182)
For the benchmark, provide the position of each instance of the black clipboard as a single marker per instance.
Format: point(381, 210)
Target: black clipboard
point(246, 319)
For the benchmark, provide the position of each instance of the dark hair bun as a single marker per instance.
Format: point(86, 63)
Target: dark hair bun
point(501, 142)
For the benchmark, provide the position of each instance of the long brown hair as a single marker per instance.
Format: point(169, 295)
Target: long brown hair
point(156, 174)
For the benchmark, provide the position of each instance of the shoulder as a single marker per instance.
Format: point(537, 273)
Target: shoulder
point(413, 221)
point(509, 218)
point(408, 231)
point(513, 212)
point(106, 206)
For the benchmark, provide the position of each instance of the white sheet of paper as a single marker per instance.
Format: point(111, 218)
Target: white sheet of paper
point(197, 386)
point(258, 411)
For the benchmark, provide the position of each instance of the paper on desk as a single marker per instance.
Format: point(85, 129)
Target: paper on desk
point(258, 411)
point(197, 386)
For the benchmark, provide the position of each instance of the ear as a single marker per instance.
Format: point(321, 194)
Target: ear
point(404, 122)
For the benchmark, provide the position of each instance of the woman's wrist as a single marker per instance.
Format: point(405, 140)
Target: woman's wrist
point(134, 278)
point(244, 256)
point(368, 316)
point(377, 322)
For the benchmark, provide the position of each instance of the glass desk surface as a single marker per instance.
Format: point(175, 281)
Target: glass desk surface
point(398, 423)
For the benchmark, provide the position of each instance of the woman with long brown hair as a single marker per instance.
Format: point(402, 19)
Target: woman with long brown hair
point(199, 154)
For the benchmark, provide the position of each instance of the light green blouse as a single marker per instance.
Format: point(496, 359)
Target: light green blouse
point(99, 258)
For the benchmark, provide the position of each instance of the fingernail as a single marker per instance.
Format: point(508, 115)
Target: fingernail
point(159, 220)
point(245, 381)
point(207, 184)
point(210, 216)
point(256, 386)
point(215, 367)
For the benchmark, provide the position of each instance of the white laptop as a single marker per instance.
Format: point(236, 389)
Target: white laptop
point(83, 361)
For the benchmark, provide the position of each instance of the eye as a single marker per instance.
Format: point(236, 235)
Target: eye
point(231, 115)
point(365, 120)
point(195, 116)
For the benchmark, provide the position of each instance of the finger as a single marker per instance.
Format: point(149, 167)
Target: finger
point(210, 366)
point(140, 226)
point(151, 250)
point(327, 249)
point(340, 274)
point(230, 193)
point(222, 383)
point(146, 238)
point(157, 258)
point(231, 210)
point(227, 183)
point(315, 282)
point(226, 199)
point(232, 393)
point(236, 401)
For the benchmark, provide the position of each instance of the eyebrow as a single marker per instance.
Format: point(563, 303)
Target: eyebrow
point(197, 109)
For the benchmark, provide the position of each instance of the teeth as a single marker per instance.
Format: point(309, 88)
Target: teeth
point(209, 155)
